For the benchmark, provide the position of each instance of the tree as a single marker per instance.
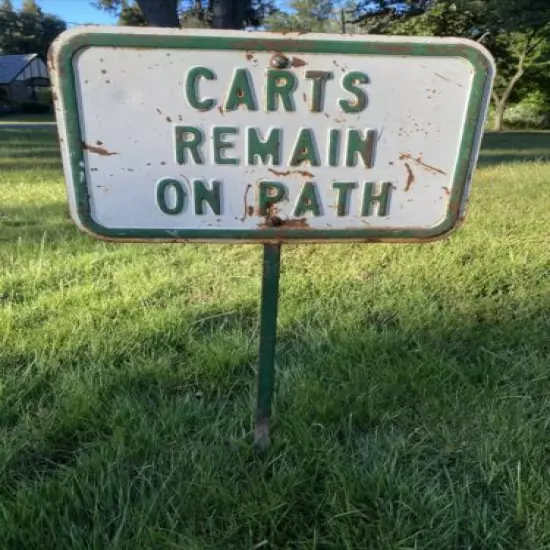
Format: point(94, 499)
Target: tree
point(6, 5)
point(306, 15)
point(219, 14)
point(28, 30)
point(517, 32)
point(130, 15)
point(30, 6)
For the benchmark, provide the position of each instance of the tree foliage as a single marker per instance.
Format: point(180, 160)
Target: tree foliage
point(28, 30)
point(517, 32)
point(233, 14)
point(306, 15)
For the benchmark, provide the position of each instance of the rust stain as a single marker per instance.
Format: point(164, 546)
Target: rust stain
point(418, 161)
point(99, 142)
point(250, 210)
point(304, 97)
point(446, 190)
point(168, 119)
point(297, 62)
point(410, 177)
point(249, 56)
point(97, 150)
point(246, 207)
point(303, 173)
point(278, 223)
point(220, 109)
point(159, 111)
point(103, 71)
point(443, 77)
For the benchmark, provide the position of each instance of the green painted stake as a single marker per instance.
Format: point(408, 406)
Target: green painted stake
point(268, 340)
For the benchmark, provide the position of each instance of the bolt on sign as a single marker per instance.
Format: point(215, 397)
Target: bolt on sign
point(171, 135)
point(259, 137)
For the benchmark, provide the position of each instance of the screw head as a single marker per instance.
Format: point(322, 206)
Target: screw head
point(279, 61)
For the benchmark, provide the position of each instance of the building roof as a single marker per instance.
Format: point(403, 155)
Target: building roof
point(12, 65)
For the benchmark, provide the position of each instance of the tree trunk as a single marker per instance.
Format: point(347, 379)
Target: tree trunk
point(228, 14)
point(500, 108)
point(502, 102)
point(160, 13)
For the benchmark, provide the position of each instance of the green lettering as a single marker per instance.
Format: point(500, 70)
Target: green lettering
point(362, 145)
point(280, 86)
point(188, 138)
point(241, 92)
point(344, 189)
point(333, 147)
point(164, 186)
point(211, 196)
point(350, 83)
point(308, 200)
point(319, 80)
point(269, 193)
point(382, 198)
point(305, 149)
point(270, 147)
point(220, 145)
point(192, 88)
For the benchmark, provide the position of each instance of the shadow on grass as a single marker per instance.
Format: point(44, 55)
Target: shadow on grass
point(508, 147)
point(31, 222)
point(24, 149)
point(376, 375)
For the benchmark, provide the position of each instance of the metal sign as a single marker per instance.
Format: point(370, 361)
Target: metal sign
point(174, 135)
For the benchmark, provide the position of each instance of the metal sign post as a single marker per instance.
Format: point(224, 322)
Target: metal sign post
point(268, 338)
point(251, 137)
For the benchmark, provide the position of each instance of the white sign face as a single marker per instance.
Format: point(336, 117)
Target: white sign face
point(258, 137)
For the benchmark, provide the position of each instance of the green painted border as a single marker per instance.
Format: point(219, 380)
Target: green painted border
point(483, 72)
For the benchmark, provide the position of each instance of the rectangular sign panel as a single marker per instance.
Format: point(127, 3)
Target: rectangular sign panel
point(178, 135)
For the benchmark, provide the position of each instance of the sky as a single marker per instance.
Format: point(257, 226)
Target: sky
point(73, 11)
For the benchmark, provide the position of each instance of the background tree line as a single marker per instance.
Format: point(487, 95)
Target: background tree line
point(517, 32)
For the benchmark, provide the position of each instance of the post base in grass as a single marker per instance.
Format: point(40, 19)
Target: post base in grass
point(261, 434)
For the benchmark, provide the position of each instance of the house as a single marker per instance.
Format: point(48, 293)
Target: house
point(22, 77)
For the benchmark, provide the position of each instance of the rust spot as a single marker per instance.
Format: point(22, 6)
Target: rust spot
point(94, 170)
point(249, 56)
point(246, 207)
point(168, 119)
point(159, 111)
point(163, 163)
point(275, 221)
point(418, 161)
point(103, 71)
point(304, 97)
point(391, 162)
point(97, 150)
point(180, 118)
point(303, 173)
point(326, 115)
point(297, 62)
point(446, 190)
point(99, 142)
point(220, 109)
point(410, 177)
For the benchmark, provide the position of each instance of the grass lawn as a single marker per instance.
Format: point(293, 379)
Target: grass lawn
point(13, 118)
point(413, 391)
